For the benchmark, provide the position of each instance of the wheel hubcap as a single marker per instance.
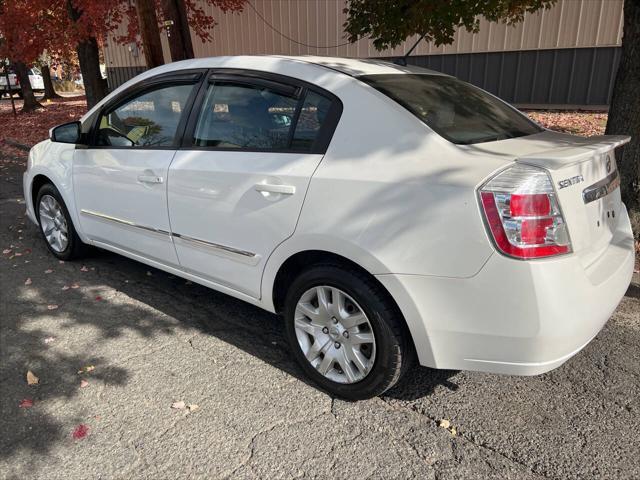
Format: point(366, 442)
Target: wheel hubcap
point(53, 223)
point(335, 334)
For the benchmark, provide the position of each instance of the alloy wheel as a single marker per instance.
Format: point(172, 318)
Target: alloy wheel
point(53, 223)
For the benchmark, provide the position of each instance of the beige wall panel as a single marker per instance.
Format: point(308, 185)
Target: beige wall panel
point(589, 22)
point(551, 26)
point(319, 23)
point(532, 27)
point(571, 13)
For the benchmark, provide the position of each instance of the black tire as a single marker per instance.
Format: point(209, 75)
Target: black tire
point(75, 248)
point(394, 348)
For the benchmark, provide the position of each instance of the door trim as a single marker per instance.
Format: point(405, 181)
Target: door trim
point(247, 257)
point(120, 221)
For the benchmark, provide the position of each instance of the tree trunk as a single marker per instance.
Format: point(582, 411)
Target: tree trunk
point(30, 103)
point(150, 33)
point(95, 87)
point(178, 33)
point(624, 112)
point(49, 91)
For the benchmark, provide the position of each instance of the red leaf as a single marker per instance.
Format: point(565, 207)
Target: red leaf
point(80, 432)
point(98, 298)
point(25, 403)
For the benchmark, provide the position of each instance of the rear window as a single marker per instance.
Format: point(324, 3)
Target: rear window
point(456, 110)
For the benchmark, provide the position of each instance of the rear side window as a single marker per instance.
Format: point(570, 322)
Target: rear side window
point(456, 110)
point(313, 114)
point(247, 116)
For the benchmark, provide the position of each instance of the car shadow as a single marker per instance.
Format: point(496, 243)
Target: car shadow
point(255, 331)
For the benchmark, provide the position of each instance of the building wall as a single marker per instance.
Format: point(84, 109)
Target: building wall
point(314, 27)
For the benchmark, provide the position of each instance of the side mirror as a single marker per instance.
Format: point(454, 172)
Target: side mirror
point(66, 133)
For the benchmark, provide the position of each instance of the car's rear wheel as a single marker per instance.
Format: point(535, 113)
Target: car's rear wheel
point(56, 226)
point(345, 332)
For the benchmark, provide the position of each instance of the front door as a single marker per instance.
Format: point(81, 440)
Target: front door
point(236, 191)
point(120, 181)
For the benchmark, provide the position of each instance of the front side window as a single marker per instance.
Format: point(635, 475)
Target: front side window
point(456, 110)
point(148, 120)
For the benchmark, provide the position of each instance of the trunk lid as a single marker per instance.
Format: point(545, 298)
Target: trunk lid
point(586, 179)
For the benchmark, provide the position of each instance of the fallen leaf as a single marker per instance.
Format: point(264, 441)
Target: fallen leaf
point(32, 379)
point(75, 285)
point(193, 407)
point(80, 432)
point(66, 287)
point(453, 431)
point(25, 403)
point(444, 423)
point(84, 269)
point(48, 270)
point(178, 405)
point(6, 251)
point(52, 307)
point(27, 251)
point(84, 383)
point(49, 339)
point(86, 369)
point(28, 281)
point(17, 254)
point(98, 298)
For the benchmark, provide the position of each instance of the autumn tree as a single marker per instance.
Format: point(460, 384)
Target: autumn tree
point(183, 16)
point(20, 42)
point(391, 23)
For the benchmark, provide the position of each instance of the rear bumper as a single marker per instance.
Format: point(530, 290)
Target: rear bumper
point(515, 317)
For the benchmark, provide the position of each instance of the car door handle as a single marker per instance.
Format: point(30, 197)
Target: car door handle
point(270, 188)
point(150, 179)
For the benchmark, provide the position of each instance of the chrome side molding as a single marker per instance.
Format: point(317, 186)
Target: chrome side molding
point(217, 246)
point(602, 188)
point(120, 221)
point(184, 238)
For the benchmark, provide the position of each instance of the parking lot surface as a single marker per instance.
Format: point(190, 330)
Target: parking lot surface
point(114, 344)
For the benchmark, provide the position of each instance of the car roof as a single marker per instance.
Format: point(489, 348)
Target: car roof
point(349, 66)
point(357, 67)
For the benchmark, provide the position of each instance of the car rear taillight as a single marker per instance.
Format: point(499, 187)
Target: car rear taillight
point(522, 213)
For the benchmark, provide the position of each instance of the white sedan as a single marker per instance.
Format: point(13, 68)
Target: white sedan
point(390, 213)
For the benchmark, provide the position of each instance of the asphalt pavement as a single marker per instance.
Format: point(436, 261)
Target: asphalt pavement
point(114, 344)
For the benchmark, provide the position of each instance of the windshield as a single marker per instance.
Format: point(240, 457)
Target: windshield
point(454, 109)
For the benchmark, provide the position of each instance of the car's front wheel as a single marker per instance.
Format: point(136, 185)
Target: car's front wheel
point(345, 332)
point(56, 226)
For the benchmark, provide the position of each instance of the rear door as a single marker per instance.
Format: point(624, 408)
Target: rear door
point(237, 186)
point(120, 179)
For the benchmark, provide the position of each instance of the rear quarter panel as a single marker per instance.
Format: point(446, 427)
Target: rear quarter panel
point(391, 187)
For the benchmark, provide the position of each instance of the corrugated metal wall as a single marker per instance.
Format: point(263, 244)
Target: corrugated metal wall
point(302, 27)
point(569, 77)
point(570, 23)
